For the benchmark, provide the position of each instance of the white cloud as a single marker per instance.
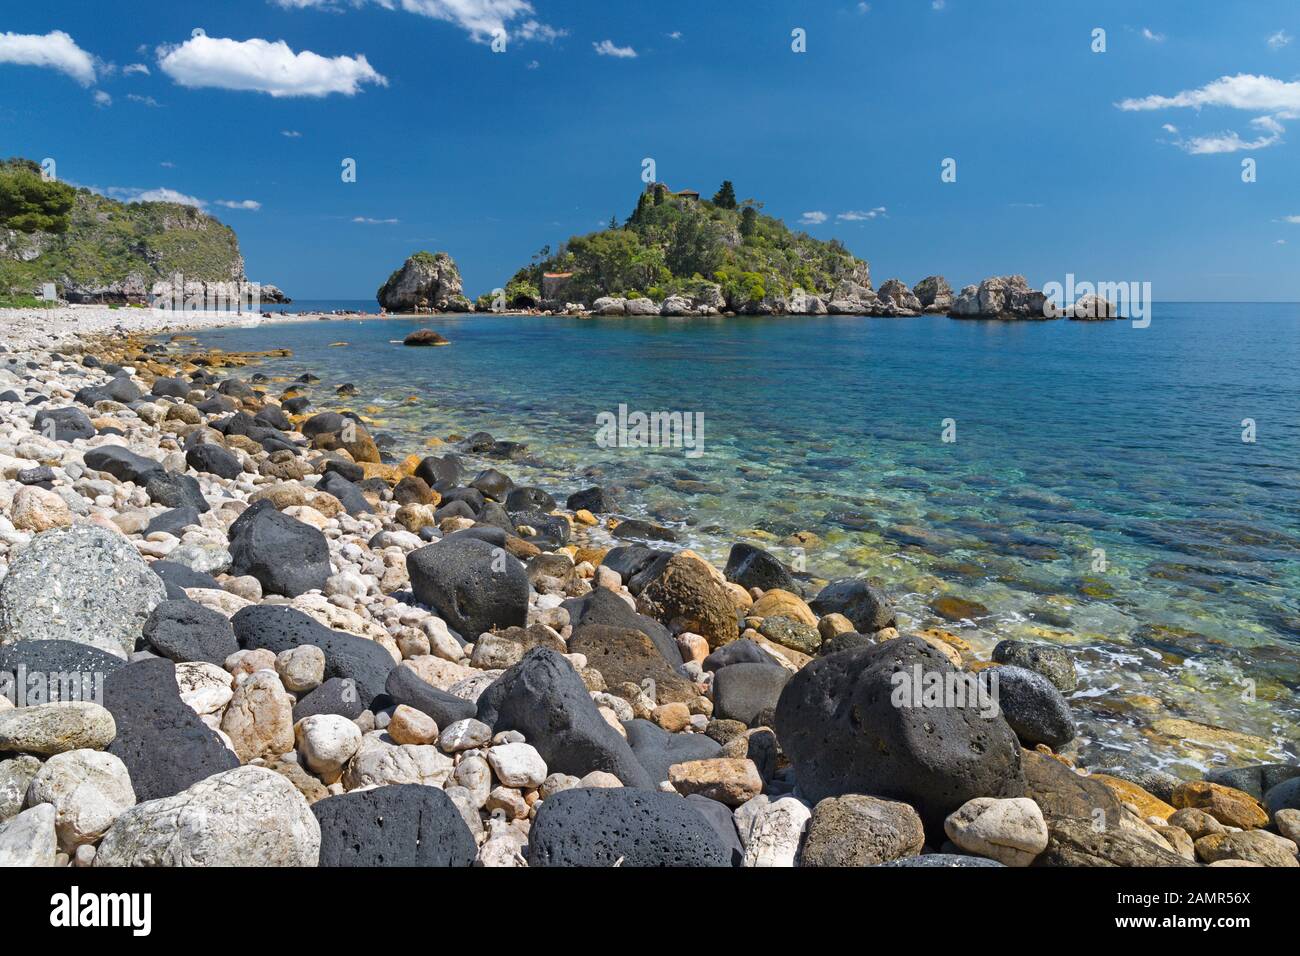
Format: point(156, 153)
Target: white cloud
point(1279, 40)
point(938, 4)
point(159, 194)
point(251, 205)
point(864, 8)
point(262, 66)
point(55, 50)
point(607, 48)
point(675, 35)
point(1147, 34)
point(533, 64)
point(1245, 91)
point(143, 100)
point(1277, 99)
point(1294, 220)
point(1170, 128)
point(290, 133)
point(813, 218)
point(860, 215)
point(1281, 242)
point(481, 19)
point(135, 68)
point(366, 220)
point(102, 98)
point(166, 164)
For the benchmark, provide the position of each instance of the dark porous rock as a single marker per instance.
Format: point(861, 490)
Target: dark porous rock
point(1079, 842)
point(184, 631)
point(42, 475)
point(625, 654)
point(543, 698)
point(287, 556)
point(474, 586)
point(122, 463)
point(279, 628)
point(596, 500)
point(273, 416)
point(550, 531)
point(55, 657)
point(839, 724)
point(171, 490)
point(347, 469)
point(644, 530)
point(1052, 662)
point(412, 490)
point(173, 522)
point(496, 516)
point(848, 641)
point(942, 860)
point(748, 692)
point(162, 741)
point(603, 606)
point(529, 499)
point(404, 686)
point(596, 827)
point(345, 491)
point(658, 750)
point(687, 597)
point(215, 460)
point(493, 484)
point(636, 564)
point(1283, 796)
point(739, 651)
point(1033, 707)
point(403, 825)
point(439, 472)
point(1256, 780)
point(177, 577)
point(472, 497)
point(296, 405)
point(723, 820)
point(338, 695)
point(857, 830)
point(752, 567)
point(322, 423)
point(860, 601)
point(1063, 794)
point(64, 424)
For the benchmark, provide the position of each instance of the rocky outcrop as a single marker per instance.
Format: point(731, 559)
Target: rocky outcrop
point(1008, 298)
point(897, 299)
point(852, 298)
point(934, 294)
point(426, 282)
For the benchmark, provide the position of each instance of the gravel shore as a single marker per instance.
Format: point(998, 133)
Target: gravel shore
point(295, 650)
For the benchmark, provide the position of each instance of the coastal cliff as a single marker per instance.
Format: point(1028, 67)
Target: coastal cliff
point(96, 249)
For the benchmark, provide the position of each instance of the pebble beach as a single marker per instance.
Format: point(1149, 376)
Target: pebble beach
point(371, 660)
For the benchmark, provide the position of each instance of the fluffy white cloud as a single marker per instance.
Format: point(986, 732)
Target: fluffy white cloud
point(102, 98)
point(55, 50)
point(367, 221)
point(290, 133)
point(1148, 34)
point(607, 48)
point(250, 204)
point(143, 100)
point(1294, 220)
point(1279, 40)
point(135, 68)
point(262, 66)
point(861, 215)
point(1277, 99)
point(814, 217)
point(1245, 91)
point(482, 19)
point(159, 194)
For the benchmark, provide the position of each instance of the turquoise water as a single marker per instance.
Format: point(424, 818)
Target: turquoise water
point(1098, 493)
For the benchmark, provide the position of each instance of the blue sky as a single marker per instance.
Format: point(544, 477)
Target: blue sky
point(1116, 166)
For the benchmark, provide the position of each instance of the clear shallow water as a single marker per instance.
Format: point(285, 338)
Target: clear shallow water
point(1071, 437)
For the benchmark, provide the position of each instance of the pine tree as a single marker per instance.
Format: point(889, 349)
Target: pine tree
point(725, 197)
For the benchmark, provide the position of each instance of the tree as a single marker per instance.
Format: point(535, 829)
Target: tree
point(725, 197)
point(613, 222)
point(748, 221)
point(29, 203)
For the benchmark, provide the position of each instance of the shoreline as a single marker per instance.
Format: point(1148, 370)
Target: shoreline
point(372, 551)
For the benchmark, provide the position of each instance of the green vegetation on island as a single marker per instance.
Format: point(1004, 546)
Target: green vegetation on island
point(677, 244)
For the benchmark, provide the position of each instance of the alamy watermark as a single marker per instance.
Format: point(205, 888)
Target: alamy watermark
point(636, 429)
point(1100, 300)
point(24, 688)
point(920, 687)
